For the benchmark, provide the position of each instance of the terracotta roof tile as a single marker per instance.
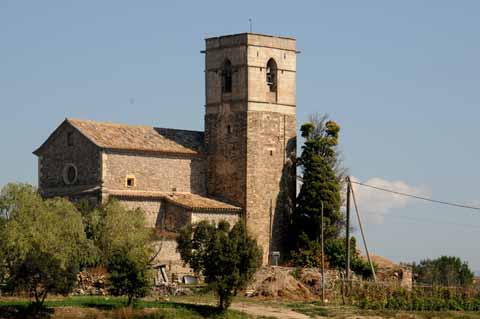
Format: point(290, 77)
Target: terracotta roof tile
point(200, 202)
point(187, 200)
point(140, 138)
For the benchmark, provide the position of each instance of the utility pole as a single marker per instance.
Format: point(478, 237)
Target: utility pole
point(347, 230)
point(323, 260)
point(363, 235)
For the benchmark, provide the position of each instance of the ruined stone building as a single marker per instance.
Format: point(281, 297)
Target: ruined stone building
point(240, 167)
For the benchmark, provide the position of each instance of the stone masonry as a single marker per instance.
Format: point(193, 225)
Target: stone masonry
point(250, 132)
point(241, 167)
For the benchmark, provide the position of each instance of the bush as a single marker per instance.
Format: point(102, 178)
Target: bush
point(335, 250)
point(129, 275)
point(228, 258)
point(444, 271)
point(379, 297)
point(42, 242)
point(123, 242)
point(309, 255)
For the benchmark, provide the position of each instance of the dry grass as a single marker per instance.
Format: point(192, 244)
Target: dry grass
point(114, 308)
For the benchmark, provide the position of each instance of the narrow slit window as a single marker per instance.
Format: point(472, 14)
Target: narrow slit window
point(227, 77)
point(70, 138)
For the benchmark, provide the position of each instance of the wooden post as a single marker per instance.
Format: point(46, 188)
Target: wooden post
point(323, 260)
point(347, 239)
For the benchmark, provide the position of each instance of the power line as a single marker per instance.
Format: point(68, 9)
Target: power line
point(417, 197)
point(430, 221)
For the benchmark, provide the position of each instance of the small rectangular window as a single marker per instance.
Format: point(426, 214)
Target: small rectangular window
point(130, 181)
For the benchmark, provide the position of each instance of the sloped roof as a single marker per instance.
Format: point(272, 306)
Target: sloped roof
point(186, 200)
point(138, 138)
point(194, 201)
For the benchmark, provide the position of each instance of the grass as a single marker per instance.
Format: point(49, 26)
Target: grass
point(311, 309)
point(193, 307)
point(114, 308)
point(314, 309)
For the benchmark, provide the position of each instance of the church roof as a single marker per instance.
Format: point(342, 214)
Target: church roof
point(187, 200)
point(194, 202)
point(139, 138)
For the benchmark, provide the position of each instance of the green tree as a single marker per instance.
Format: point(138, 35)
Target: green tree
point(443, 271)
point(335, 250)
point(228, 258)
point(42, 242)
point(319, 183)
point(13, 196)
point(309, 253)
point(130, 275)
point(322, 178)
point(124, 245)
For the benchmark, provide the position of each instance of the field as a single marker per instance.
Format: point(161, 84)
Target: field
point(113, 308)
point(201, 306)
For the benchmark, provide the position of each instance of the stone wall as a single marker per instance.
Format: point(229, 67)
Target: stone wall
point(250, 133)
point(175, 217)
point(258, 90)
point(154, 172)
point(270, 178)
point(215, 217)
point(154, 209)
point(82, 153)
point(226, 144)
point(225, 118)
point(171, 258)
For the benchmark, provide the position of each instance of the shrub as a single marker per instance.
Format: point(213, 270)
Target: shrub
point(377, 297)
point(129, 275)
point(228, 258)
point(42, 242)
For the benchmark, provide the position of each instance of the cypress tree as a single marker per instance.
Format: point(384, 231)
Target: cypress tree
point(320, 183)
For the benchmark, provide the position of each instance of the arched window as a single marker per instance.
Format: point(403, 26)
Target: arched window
point(227, 77)
point(272, 75)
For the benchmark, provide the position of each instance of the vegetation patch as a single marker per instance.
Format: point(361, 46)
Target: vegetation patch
point(378, 297)
point(113, 308)
point(311, 309)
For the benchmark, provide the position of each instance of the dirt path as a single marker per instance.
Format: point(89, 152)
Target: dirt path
point(259, 310)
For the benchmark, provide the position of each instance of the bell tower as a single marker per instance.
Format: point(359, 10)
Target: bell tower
point(250, 130)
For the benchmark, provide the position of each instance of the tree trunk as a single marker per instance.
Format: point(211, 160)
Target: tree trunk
point(44, 297)
point(221, 302)
point(130, 298)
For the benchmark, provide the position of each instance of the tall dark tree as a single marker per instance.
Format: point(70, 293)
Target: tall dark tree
point(228, 258)
point(319, 182)
point(322, 180)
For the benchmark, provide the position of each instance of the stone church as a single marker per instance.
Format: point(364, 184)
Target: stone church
point(240, 167)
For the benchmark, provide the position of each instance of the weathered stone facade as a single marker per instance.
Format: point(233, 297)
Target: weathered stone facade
point(176, 173)
point(154, 209)
point(250, 132)
point(240, 167)
point(81, 153)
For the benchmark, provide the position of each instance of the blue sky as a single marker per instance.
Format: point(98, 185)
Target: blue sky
point(401, 78)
